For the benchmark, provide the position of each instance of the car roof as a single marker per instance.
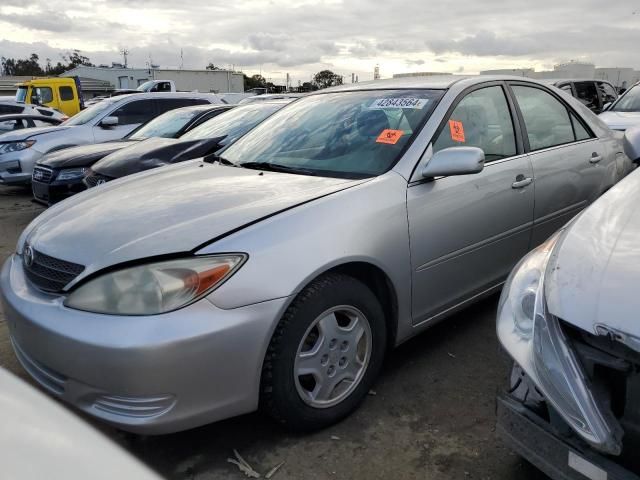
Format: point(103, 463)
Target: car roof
point(434, 82)
point(27, 116)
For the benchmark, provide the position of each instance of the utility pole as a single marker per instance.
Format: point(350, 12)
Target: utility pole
point(124, 52)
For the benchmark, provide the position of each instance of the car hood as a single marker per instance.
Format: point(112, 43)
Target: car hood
point(152, 153)
point(167, 211)
point(83, 155)
point(620, 120)
point(593, 278)
point(25, 133)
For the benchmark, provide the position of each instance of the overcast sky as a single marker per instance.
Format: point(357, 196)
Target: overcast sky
point(303, 37)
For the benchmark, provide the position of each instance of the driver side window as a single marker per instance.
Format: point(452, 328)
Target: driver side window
point(482, 119)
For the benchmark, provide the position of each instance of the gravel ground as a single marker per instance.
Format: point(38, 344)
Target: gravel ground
point(432, 415)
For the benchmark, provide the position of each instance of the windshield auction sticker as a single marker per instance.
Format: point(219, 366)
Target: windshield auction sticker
point(403, 102)
point(457, 131)
point(389, 136)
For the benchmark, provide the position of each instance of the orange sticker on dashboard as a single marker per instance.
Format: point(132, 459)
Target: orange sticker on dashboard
point(389, 136)
point(457, 131)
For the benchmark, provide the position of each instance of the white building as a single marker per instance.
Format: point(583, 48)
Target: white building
point(217, 81)
point(619, 77)
point(518, 72)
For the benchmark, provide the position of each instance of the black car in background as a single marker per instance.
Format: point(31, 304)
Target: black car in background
point(199, 142)
point(60, 174)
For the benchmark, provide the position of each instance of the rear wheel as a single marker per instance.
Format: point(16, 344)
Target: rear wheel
point(325, 353)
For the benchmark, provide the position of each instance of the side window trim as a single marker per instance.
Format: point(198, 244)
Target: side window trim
point(568, 107)
point(516, 126)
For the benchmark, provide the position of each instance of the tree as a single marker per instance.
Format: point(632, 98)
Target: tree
point(22, 67)
point(211, 66)
point(326, 78)
point(254, 81)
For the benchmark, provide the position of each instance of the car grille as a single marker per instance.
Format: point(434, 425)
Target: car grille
point(49, 273)
point(42, 174)
point(95, 179)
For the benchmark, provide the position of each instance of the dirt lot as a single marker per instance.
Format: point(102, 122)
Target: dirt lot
point(432, 415)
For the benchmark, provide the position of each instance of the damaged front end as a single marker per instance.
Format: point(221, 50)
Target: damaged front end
point(589, 382)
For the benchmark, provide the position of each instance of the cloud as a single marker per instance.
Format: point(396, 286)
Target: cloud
point(308, 36)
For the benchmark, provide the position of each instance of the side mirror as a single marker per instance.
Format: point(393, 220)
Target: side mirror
point(35, 100)
point(631, 143)
point(108, 122)
point(454, 161)
point(606, 106)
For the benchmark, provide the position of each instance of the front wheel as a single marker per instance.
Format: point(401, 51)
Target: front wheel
point(325, 353)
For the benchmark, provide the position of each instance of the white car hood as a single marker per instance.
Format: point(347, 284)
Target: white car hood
point(170, 210)
point(620, 120)
point(593, 276)
point(25, 133)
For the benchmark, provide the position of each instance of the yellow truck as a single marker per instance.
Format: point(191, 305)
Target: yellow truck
point(62, 93)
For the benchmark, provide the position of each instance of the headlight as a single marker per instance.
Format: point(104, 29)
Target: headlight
point(155, 288)
point(71, 173)
point(536, 341)
point(16, 146)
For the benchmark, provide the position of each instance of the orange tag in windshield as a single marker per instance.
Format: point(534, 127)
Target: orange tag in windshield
point(457, 131)
point(389, 136)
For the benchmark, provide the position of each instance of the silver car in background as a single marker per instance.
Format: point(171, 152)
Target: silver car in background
point(625, 112)
point(568, 316)
point(111, 119)
point(278, 272)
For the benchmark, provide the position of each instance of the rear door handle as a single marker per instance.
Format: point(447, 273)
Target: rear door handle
point(521, 181)
point(595, 158)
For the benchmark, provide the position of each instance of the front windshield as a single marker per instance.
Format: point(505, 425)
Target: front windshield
point(166, 125)
point(21, 94)
point(143, 87)
point(234, 123)
point(348, 134)
point(630, 102)
point(89, 114)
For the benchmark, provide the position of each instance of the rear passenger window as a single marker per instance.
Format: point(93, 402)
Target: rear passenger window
point(578, 128)
point(135, 112)
point(481, 119)
point(167, 104)
point(545, 117)
point(66, 93)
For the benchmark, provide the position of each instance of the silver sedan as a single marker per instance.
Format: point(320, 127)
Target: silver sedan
point(280, 271)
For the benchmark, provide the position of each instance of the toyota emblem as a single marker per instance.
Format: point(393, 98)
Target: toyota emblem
point(28, 256)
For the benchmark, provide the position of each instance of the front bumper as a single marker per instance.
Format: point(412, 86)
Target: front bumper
point(27, 158)
point(558, 457)
point(54, 192)
point(147, 374)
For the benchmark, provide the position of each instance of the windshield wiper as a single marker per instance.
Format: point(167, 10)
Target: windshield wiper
point(276, 167)
point(213, 158)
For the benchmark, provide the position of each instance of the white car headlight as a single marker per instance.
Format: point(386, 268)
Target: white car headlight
point(16, 146)
point(154, 288)
point(536, 341)
point(71, 173)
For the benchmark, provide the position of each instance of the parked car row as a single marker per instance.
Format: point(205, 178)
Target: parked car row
point(305, 239)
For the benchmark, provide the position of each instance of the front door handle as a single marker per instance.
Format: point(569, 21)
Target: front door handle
point(521, 181)
point(595, 158)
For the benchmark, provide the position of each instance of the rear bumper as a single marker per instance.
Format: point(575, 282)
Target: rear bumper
point(558, 457)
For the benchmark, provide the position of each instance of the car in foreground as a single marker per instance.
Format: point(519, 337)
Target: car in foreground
point(596, 95)
point(625, 112)
point(42, 439)
point(105, 121)
point(280, 272)
point(19, 121)
point(199, 142)
point(568, 318)
point(60, 174)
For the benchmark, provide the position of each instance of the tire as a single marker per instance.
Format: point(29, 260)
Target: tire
point(299, 401)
